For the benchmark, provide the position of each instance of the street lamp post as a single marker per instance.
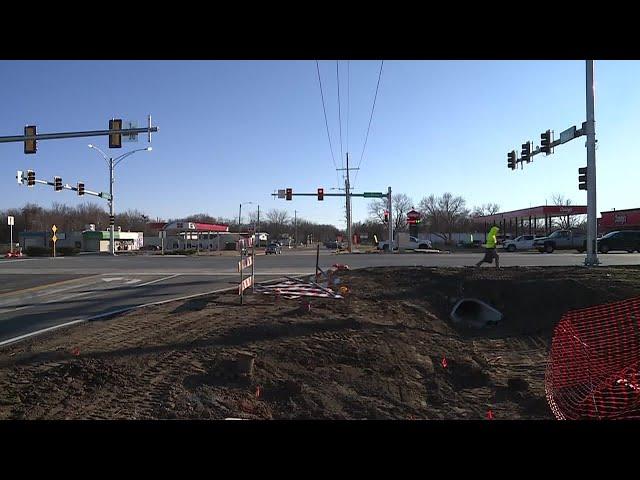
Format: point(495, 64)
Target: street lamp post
point(112, 163)
point(240, 215)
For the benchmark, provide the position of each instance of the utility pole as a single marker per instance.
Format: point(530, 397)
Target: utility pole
point(347, 185)
point(348, 198)
point(258, 229)
point(295, 234)
point(389, 205)
point(592, 227)
point(239, 217)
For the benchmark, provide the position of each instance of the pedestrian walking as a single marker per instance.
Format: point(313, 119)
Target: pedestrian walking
point(490, 252)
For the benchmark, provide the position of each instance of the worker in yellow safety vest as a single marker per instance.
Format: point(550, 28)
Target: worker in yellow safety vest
point(490, 252)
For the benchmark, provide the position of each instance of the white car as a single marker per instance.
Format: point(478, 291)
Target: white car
point(523, 242)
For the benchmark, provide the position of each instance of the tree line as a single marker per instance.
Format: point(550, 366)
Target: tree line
point(448, 214)
point(441, 215)
point(35, 218)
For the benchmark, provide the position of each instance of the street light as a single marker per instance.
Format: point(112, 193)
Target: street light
point(240, 214)
point(111, 163)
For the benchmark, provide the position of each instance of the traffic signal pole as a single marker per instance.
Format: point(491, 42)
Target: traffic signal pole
point(111, 209)
point(592, 227)
point(589, 183)
point(89, 133)
point(22, 179)
point(288, 194)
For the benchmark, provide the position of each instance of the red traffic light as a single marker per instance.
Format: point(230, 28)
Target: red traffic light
point(289, 193)
point(321, 194)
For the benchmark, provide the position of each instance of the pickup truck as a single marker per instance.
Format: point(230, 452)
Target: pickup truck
point(523, 242)
point(561, 240)
point(406, 243)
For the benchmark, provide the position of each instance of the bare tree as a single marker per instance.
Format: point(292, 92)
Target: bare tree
point(444, 215)
point(133, 221)
point(485, 209)
point(278, 220)
point(566, 221)
point(279, 217)
point(400, 203)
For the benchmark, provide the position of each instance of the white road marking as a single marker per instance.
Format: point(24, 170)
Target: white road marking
point(57, 300)
point(18, 260)
point(27, 335)
point(158, 280)
point(11, 310)
point(115, 312)
point(111, 279)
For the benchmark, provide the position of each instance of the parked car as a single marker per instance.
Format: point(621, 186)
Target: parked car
point(151, 247)
point(331, 245)
point(628, 240)
point(523, 242)
point(501, 238)
point(561, 240)
point(273, 248)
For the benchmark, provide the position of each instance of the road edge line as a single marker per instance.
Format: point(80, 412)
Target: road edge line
point(19, 338)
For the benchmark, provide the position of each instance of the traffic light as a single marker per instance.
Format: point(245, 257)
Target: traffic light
point(511, 160)
point(80, 188)
point(386, 216)
point(112, 220)
point(30, 146)
point(57, 183)
point(525, 155)
point(582, 178)
point(31, 178)
point(545, 142)
point(321, 194)
point(115, 139)
point(289, 194)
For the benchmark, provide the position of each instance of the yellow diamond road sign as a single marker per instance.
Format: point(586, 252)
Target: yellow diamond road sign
point(54, 229)
point(54, 238)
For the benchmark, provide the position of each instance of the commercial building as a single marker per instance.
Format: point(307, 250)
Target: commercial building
point(529, 220)
point(88, 241)
point(612, 220)
point(98, 241)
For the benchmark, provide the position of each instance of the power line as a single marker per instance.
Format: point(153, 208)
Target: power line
point(325, 121)
point(370, 118)
point(348, 64)
point(339, 114)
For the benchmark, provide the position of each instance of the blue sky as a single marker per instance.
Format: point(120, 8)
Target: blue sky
point(235, 131)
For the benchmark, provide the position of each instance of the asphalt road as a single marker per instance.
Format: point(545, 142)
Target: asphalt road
point(42, 293)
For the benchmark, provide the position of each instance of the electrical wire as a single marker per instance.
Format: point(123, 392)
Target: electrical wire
point(348, 65)
point(370, 119)
point(339, 113)
point(326, 122)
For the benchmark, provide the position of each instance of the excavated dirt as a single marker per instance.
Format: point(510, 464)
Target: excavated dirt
point(387, 351)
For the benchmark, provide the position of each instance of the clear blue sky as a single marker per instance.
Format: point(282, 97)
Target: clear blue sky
point(234, 131)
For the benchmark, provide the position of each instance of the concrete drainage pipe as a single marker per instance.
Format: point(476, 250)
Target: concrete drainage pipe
point(474, 313)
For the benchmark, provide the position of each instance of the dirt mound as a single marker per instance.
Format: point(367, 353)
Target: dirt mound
point(387, 351)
